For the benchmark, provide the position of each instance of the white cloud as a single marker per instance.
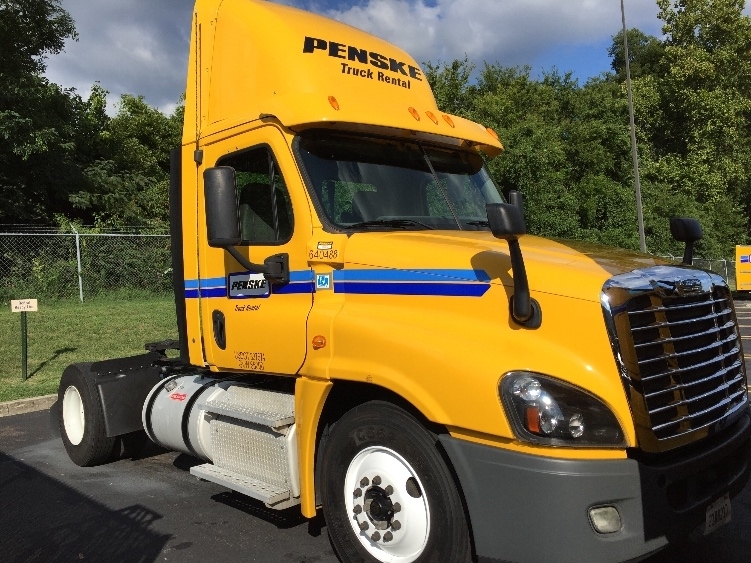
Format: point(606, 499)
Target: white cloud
point(141, 46)
point(510, 32)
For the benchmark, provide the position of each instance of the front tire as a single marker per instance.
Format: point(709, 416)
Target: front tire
point(387, 493)
point(81, 419)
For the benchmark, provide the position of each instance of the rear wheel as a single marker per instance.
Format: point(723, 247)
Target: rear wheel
point(387, 493)
point(81, 419)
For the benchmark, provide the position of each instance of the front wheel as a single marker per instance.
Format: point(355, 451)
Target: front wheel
point(388, 496)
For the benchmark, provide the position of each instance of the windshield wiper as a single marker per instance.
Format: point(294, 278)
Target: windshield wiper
point(396, 223)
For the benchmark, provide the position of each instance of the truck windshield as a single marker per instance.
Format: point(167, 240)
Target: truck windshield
point(370, 183)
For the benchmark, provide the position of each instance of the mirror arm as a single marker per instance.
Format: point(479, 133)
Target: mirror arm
point(688, 253)
point(244, 262)
point(275, 268)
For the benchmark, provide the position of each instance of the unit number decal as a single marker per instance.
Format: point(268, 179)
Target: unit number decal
point(323, 254)
point(253, 361)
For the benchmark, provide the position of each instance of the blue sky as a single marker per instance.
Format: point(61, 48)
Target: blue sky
point(140, 46)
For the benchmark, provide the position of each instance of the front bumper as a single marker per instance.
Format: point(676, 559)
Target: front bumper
point(530, 508)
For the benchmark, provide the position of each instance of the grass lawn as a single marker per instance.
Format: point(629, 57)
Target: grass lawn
point(66, 332)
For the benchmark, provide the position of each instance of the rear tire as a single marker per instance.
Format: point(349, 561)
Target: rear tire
point(387, 493)
point(81, 419)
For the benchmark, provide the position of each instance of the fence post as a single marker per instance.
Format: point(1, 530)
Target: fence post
point(78, 259)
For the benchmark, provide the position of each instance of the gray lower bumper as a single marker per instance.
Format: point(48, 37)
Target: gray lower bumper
point(529, 508)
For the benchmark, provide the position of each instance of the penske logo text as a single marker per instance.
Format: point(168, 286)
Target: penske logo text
point(388, 70)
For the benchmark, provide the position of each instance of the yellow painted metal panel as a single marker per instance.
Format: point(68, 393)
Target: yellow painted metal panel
point(743, 268)
point(264, 334)
point(310, 396)
point(261, 58)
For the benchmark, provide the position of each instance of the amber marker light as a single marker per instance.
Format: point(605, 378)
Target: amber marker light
point(448, 120)
point(493, 134)
point(319, 342)
point(533, 419)
point(334, 103)
point(415, 113)
point(432, 117)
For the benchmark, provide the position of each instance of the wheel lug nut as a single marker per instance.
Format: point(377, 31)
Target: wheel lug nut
point(395, 525)
point(388, 536)
point(357, 509)
point(376, 536)
point(376, 480)
point(357, 493)
point(389, 490)
point(364, 526)
point(397, 507)
point(364, 482)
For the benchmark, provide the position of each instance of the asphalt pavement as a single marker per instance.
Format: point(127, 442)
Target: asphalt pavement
point(151, 509)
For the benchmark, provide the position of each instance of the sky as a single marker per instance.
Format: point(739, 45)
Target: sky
point(141, 46)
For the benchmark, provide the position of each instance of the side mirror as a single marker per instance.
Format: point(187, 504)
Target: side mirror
point(506, 222)
point(688, 230)
point(222, 216)
point(223, 224)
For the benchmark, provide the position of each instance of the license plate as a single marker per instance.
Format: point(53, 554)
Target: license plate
point(718, 513)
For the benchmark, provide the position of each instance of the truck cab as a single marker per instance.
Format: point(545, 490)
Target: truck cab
point(366, 328)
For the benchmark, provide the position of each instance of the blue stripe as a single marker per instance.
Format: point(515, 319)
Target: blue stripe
point(291, 288)
point(428, 275)
point(301, 281)
point(301, 276)
point(744, 259)
point(441, 289)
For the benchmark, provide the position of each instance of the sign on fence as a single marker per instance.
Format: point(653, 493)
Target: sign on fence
point(23, 305)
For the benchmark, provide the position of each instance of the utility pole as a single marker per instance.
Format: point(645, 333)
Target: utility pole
point(634, 151)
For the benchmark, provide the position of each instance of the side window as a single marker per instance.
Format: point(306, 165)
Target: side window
point(263, 198)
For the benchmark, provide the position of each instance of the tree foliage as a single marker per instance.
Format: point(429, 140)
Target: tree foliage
point(567, 144)
point(568, 147)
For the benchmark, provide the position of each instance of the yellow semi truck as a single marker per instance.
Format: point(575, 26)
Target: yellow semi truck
point(364, 326)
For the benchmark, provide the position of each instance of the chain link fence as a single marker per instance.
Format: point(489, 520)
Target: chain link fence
point(725, 268)
point(43, 263)
point(64, 265)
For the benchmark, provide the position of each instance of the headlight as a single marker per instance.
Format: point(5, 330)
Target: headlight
point(544, 410)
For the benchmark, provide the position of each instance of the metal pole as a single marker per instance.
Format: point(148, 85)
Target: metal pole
point(24, 351)
point(634, 152)
point(78, 259)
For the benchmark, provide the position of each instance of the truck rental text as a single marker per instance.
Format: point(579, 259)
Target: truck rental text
point(365, 326)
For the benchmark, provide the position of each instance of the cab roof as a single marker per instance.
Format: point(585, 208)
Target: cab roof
point(255, 59)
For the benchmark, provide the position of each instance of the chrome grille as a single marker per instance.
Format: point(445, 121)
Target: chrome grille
point(676, 341)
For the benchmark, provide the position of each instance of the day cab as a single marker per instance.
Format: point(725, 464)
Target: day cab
point(365, 326)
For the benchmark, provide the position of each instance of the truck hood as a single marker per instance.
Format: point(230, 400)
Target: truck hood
point(560, 267)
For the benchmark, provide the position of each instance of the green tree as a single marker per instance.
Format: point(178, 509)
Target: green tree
point(128, 180)
point(693, 123)
point(37, 118)
point(645, 55)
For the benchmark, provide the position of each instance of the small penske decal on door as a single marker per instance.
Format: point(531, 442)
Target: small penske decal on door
point(244, 286)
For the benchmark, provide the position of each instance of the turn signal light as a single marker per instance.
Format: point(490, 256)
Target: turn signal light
point(319, 342)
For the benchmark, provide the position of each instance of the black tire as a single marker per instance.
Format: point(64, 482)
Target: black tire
point(84, 438)
point(382, 439)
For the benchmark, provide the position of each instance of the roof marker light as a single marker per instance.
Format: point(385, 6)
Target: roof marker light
point(432, 117)
point(414, 113)
point(448, 120)
point(493, 134)
point(334, 103)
